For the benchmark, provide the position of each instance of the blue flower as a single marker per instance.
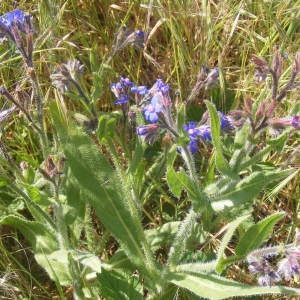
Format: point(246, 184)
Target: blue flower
point(152, 110)
point(191, 129)
point(202, 132)
point(149, 133)
point(139, 38)
point(122, 99)
point(295, 122)
point(225, 122)
point(140, 33)
point(205, 132)
point(193, 146)
point(193, 133)
point(289, 267)
point(141, 90)
point(126, 81)
point(14, 18)
point(121, 90)
point(162, 87)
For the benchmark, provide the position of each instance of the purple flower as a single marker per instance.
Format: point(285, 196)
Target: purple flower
point(193, 133)
point(289, 267)
point(148, 132)
point(126, 81)
point(191, 129)
point(205, 132)
point(121, 90)
point(16, 18)
point(202, 133)
point(280, 123)
point(122, 99)
point(267, 275)
point(139, 38)
point(269, 278)
point(141, 90)
point(140, 33)
point(152, 110)
point(162, 87)
point(295, 122)
point(193, 146)
point(17, 26)
point(225, 122)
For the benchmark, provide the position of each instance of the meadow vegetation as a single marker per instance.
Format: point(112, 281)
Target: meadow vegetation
point(149, 149)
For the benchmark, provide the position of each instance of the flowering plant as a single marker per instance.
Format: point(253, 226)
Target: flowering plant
point(84, 197)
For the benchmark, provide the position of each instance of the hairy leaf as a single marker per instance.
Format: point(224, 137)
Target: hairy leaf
point(221, 163)
point(256, 235)
point(216, 287)
point(231, 227)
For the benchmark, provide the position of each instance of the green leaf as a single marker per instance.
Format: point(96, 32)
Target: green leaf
point(86, 259)
point(179, 180)
point(115, 285)
point(44, 244)
point(173, 181)
point(243, 191)
point(256, 235)
point(278, 143)
point(275, 144)
point(231, 227)
point(242, 135)
point(162, 235)
point(216, 287)
point(100, 184)
point(137, 158)
point(157, 238)
point(221, 163)
point(98, 178)
point(106, 127)
point(38, 234)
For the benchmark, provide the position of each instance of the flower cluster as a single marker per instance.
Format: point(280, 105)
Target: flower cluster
point(121, 90)
point(125, 37)
point(203, 132)
point(266, 275)
point(156, 108)
point(66, 75)
point(288, 268)
point(157, 111)
point(17, 26)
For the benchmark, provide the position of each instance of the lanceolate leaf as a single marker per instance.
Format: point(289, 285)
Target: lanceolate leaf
point(97, 177)
point(215, 287)
point(100, 184)
point(231, 227)
point(245, 190)
point(172, 176)
point(221, 163)
point(276, 144)
point(257, 234)
point(98, 180)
